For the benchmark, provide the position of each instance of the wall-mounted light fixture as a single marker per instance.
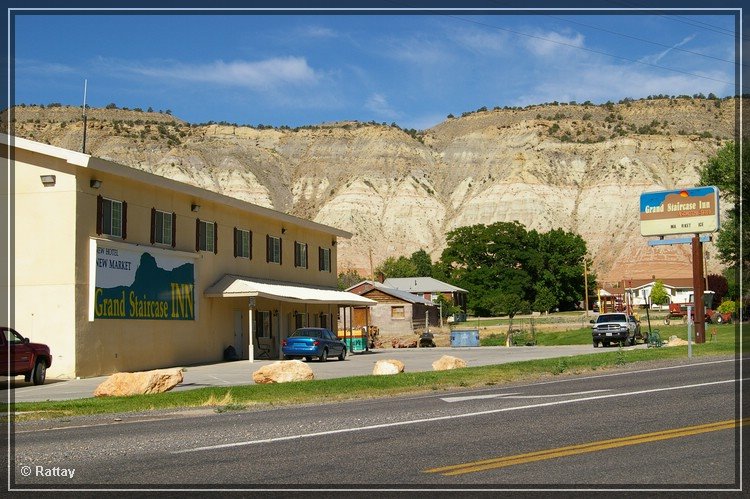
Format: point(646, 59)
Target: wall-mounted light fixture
point(333, 242)
point(95, 183)
point(48, 180)
point(195, 208)
point(275, 313)
point(283, 230)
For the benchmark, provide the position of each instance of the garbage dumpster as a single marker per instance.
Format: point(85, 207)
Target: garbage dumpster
point(465, 338)
point(356, 342)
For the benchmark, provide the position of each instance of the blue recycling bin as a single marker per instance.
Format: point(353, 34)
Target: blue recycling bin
point(465, 338)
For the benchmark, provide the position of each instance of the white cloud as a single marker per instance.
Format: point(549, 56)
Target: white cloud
point(482, 41)
point(251, 74)
point(653, 59)
point(416, 50)
point(41, 67)
point(378, 104)
point(319, 32)
point(552, 43)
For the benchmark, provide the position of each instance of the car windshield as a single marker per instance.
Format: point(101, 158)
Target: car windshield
point(611, 318)
point(307, 333)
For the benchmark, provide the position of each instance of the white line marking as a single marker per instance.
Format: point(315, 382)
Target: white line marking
point(517, 396)
point(440, 418)
point(476, 397)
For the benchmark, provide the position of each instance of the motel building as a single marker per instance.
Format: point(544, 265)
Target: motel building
point(117, 269)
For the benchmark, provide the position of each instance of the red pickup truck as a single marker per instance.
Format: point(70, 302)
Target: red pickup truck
point(19, 356)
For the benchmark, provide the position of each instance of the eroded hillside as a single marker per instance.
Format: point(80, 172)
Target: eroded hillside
point(578, 167)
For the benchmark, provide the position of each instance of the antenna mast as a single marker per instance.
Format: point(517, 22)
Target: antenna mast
point(83, 147)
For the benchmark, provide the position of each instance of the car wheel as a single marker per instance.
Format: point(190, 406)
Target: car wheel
point(343, 354)
point(308, 359)
point(632, 341)
point(596, 344)
point(605, 344)
point(40, 372)
point(323, 356)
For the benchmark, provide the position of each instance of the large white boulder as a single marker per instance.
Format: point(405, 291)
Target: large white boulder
point(283, 371)
point(139, 383)
point(390, 366)
point(448, 362)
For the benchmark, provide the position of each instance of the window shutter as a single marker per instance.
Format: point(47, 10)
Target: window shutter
point(250, 244)
point(124, 220)
point(330, 261)
point(268, 248)
point(174, 229)
point(280, 251)
point(296, 254)
point(235, 242)
point(216, 237)
point(320, 258)
point(307, 258)
point(153, 225)
point(197, 234)
point(99, 215)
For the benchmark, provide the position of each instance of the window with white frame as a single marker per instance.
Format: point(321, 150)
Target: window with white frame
point(243, 243)
point(300, 254)
point(273, 249)
point(205, 236)
point(162, 227)
point(324, 259)
point(111, 217)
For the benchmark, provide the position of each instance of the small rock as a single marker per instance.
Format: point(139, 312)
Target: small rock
point(390, 366)
point(139, 383)
point(283, 371)
point(448, 362)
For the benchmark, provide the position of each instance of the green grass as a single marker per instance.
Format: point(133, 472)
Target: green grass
point(582, 336)
point(357, 387)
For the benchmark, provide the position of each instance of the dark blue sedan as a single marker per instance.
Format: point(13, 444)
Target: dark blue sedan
point(309, 342)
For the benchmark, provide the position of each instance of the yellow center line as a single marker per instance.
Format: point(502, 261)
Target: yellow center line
point(500, 462)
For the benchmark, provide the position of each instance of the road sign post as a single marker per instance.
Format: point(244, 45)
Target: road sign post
point(693, 211)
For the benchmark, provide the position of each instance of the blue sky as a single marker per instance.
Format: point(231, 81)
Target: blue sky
point(413, 69)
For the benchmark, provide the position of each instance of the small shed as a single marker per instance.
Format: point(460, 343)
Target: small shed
point(396, 312)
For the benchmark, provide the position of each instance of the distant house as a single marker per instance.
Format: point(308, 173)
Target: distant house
point(396, 312)
point(429, 289)
point(637, 291)
point(680, 290)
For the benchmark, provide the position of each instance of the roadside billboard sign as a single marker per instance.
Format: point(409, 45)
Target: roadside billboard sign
point(693, 210)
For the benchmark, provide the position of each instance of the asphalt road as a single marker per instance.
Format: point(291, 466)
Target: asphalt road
point(645, 428)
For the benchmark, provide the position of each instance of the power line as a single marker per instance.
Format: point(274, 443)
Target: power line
point(593, 51)
point(644, 40)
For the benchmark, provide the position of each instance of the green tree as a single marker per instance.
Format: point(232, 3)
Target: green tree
point(545, 300)
point(561, 255)
point(422, 263)
point(348, 279)
point(659, 294)
point(509, 304)
point(722, 170)
point(486, 258)
point(397, 267)
point(447, 306)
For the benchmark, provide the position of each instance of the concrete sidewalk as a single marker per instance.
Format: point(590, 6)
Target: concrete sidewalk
point(358, 364)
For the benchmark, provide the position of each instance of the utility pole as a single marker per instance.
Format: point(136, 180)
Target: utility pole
point(586, 286)
point(85, 85)
point(372, 272)
point(698, 289)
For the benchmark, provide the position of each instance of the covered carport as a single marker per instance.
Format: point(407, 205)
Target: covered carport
point(274, 309)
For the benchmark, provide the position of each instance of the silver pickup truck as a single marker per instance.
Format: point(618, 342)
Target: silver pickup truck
point(619, 328)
